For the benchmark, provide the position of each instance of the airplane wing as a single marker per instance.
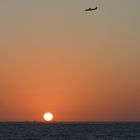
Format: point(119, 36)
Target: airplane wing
point(87, 9)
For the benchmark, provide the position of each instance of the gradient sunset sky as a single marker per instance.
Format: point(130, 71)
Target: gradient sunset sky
point(81, 66)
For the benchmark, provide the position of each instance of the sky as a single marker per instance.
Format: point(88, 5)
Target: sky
point(81, 66)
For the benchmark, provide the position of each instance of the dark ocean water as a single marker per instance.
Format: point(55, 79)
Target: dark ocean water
point(69, 131)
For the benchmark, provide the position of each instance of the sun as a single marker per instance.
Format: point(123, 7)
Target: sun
point(48, 116)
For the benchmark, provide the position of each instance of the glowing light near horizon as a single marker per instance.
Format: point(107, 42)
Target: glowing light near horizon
point(48, 116)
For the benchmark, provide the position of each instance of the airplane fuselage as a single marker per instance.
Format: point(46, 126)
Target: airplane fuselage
point(91, 9)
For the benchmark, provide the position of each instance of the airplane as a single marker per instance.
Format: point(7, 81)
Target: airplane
point(91, 9)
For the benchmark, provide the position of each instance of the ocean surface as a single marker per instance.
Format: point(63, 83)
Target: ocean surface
point(69, 131)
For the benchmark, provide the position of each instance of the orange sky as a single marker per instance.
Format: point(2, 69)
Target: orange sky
point(79, 66)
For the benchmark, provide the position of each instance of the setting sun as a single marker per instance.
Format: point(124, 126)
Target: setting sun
point(48, 116)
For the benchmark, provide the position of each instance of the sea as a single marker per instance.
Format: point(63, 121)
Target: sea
point(70, 131)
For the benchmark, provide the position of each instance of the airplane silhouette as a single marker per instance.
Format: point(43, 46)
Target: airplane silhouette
point(91, 9)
